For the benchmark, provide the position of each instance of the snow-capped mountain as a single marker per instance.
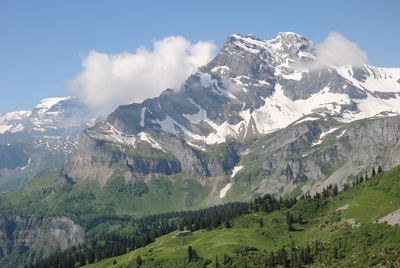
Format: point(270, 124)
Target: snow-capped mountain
point(254, 85)
point(252, 88)
point(49, 115)
point(42, 138)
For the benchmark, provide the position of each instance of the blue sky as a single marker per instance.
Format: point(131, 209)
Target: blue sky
point(42, 43)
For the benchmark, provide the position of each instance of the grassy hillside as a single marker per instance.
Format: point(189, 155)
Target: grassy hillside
point(344, 227)
point(47, 196)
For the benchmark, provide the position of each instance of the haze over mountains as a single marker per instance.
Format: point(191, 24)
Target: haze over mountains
point(45, 137)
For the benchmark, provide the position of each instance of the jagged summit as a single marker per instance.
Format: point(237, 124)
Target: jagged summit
point(284, 43)
point(290, 37)
point(286, 37)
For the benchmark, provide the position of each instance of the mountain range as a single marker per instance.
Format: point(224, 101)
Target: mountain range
point(43, 138)
point(259, 118)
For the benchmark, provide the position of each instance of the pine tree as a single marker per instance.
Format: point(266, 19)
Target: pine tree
point(307, 254)
point(335, 252)
point(290, 222)
point(271, 260)
point(226, 260)
point(293, 257)
point(335, 190)
point(190, 253)
point(261, 223)
point(300, 218)
point(139, 261)
point(217, 265)
point(373, 172)
point(380, 170)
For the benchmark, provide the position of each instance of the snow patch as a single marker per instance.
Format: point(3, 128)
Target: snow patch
point(208, 82)
point(142, 115)
point(341, 134)
point(323, 134)
point(147, 138)
point(197, 117)
point(221, 69)
point(27, 165)
point(307, 119)
point(120, 137)
point(297, 76)
point(46, 104)
point(379, 79)
point(17, 128)
point(249, 49)
point(235, 170)
point(222, 131)
point(5, 128)
point(224, 190)
point(279, 111)
point(168, 125)
point(191, 144)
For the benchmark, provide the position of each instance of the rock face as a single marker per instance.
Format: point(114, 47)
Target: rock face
point(323, 151)
point(43, 138)
point(252, 88)
point(20, 235)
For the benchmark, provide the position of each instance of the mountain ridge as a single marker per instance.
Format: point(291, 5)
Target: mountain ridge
point(42, 138)
point(248, 90)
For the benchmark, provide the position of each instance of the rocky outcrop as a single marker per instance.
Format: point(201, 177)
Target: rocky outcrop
point(99, 157)
point(21, 236)
point(313, 151)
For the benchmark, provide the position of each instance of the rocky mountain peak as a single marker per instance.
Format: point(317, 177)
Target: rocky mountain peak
point(289, 43)
point(248, 90)
point(290, 39)
point(284, 44)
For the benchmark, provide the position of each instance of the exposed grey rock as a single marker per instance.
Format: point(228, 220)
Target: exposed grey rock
point(18, 235)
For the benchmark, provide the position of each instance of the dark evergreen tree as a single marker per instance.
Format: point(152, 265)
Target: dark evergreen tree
point(335, 190)
point(139, 261)
point(226, 260)
point(261, 223)
point(289, 219)
point(380, 170)
point(190, 254)
point(217, 264)
point(271, 260)
point(300, 218)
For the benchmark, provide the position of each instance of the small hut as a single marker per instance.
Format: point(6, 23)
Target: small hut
point(184, 233)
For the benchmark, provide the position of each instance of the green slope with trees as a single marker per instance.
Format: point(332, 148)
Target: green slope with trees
point(331, 229)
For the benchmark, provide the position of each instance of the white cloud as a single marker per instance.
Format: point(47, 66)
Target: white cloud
point(337, 50)
point(109, 80)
